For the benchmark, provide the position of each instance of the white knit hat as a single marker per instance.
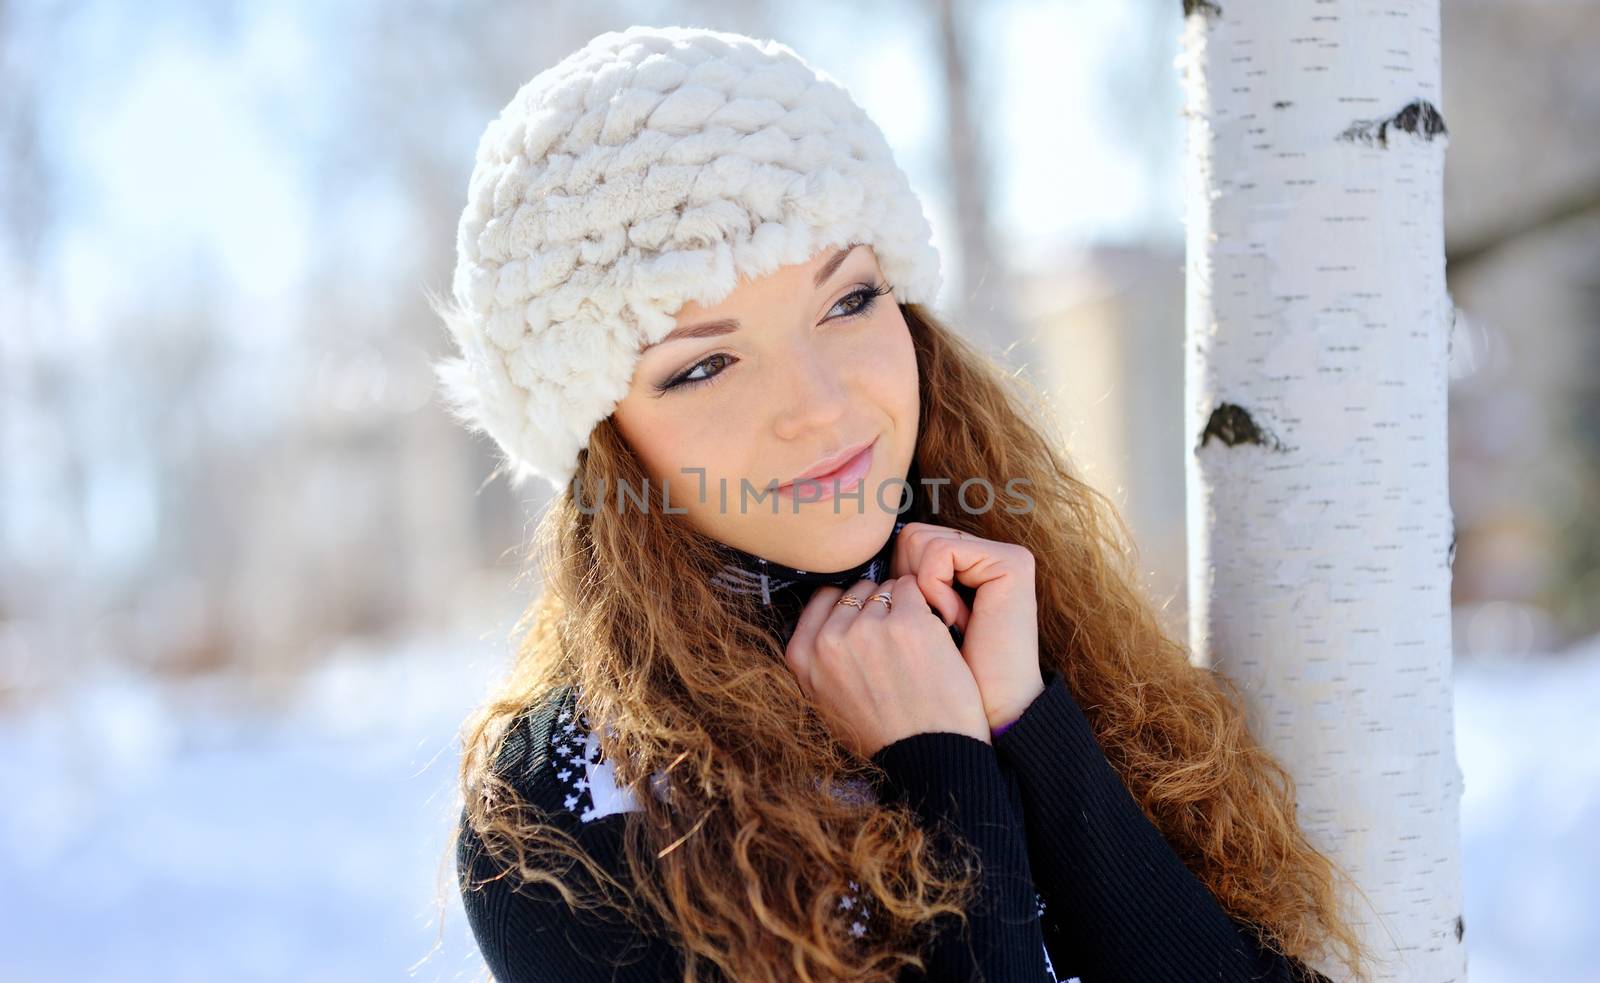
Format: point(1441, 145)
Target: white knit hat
point(651, 167)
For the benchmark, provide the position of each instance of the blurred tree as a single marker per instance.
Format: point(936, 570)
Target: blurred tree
point(1522, 224)
point(981, 291)
point(1321, 533)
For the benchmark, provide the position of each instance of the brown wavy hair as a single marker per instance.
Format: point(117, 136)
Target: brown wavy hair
point(746, 860)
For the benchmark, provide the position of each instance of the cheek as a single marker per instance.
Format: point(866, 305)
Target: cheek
point(890, 369)
point(675, 443)
point(649, 433)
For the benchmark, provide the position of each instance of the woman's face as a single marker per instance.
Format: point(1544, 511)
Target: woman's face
point(784, 375)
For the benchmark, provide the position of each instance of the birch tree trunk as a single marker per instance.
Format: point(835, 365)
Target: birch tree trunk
point(1319, 523)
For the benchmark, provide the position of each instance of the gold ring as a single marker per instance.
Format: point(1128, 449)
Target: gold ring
point(883, 596)
point(851, 601)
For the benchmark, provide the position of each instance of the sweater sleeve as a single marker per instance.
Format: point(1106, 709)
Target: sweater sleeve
point(1115, 893)
point(528, 934)
point(953, 785)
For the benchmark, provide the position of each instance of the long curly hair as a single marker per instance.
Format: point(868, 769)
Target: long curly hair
point(745, 860)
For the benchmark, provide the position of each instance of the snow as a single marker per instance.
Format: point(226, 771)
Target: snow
point(1530, 816)
point(164, 834)
point(176, 833)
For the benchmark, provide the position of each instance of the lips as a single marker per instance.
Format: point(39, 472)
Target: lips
point(849, 471)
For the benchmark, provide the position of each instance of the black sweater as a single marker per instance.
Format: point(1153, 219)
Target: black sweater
point(1078, 885)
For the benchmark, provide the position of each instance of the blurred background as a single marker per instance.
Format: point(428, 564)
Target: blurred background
point(252, 577)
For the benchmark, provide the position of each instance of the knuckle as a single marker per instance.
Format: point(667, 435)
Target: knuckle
point(822, 599)
point(899, 628)
point(830, 640)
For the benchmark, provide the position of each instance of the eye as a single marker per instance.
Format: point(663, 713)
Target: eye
point(858, 303)
point(687, 380)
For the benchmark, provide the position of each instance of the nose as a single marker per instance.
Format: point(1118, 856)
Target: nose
point(811, 393)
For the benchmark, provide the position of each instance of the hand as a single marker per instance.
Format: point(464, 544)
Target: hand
point(1001, 629)
point(882, 673)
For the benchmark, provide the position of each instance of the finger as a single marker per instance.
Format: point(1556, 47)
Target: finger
point(942, 598)
point(840, 616)
point(908, 599)
point(940, 568)
point(877, 609)
point(947, 560)
point(913, 542)
point(971, 562)
point(903, 558)
point(802, 647)
point(816, 611)
point(910, 604)
point(912, 550)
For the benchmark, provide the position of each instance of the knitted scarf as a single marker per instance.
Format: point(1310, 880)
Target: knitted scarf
point(784, 590)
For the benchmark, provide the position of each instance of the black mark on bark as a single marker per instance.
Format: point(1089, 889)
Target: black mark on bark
point(1282, 104)
point(1461, 928)
point(1233, 425)
point(1201, 7)
point(1450, 558)
point(1417, 117)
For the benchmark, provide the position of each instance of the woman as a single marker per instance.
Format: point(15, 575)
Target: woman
point(691, 293)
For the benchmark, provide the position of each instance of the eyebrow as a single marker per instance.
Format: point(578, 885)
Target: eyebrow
point(728, 325)
point(832, 265)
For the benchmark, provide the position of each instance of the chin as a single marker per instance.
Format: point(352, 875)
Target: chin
point(847, 538)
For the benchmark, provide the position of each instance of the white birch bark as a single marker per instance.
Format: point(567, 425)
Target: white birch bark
point(1319, 524)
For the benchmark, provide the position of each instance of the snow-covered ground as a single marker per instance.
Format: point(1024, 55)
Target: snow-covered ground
point(1528, 739)
point(161, 834)
point(156, 835)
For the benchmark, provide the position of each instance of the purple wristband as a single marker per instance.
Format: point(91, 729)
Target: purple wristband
point(1001, 729)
